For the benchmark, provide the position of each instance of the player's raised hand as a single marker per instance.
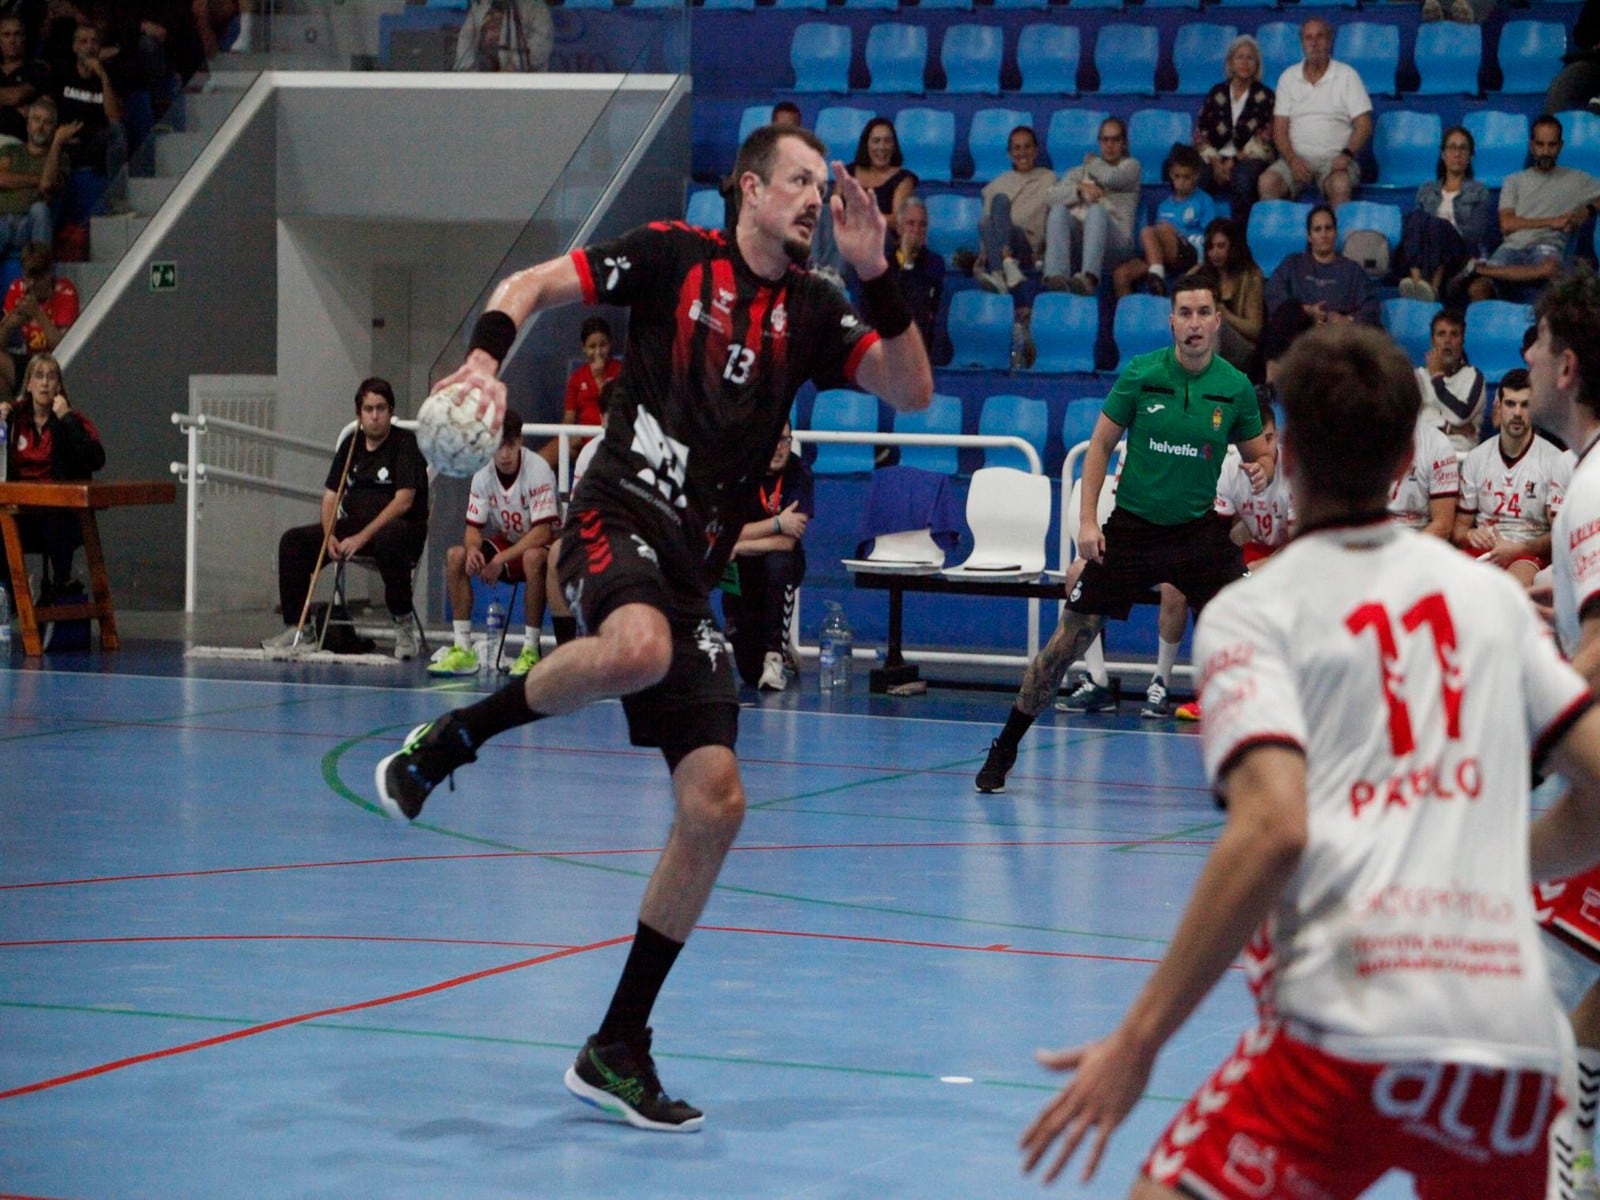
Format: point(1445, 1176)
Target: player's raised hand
point(482, 372)
point(858, 225)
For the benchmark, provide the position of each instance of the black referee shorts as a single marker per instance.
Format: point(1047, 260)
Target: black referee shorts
point(1197, 557)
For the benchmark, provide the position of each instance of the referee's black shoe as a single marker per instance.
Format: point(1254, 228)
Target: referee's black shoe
point(992, 775)
point(430, 754)
point(620, 1079)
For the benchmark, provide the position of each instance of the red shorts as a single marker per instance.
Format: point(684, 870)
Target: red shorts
point(1282, 1120)
point(1255, 552)
point(1539, 561)
point(512, 571)
point(1570, 909)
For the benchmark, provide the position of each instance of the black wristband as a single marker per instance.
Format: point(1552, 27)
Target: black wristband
point(885, 308)
point(493, 334)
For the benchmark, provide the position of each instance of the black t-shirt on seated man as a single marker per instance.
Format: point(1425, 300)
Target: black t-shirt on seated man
point(375, 476)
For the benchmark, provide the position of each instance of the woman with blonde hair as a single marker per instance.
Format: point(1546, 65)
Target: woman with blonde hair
point(1234, 129)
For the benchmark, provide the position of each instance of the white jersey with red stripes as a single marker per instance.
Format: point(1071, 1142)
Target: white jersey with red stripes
point(1416, 681)
point(510, 511)
point(1435, 472)
point(1518, 499)
point(1266, 514)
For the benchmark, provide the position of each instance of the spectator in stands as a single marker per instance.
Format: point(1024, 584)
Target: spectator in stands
point(1450, 224)
point(1424, 498)
point(169, 46)
point(1578, 82)
point(32, 174)
point(768, 566)
point(1453, 390)
point(383, 516)
point(48, 439)
point(1460, 10)
point(1321, 120)
point(1511, 488)
point(22, 79)
point(880, 168)
point(581, 406)
point(1011, 231)
point(1094, 205)
point(1317, 286)
point(1241, 291)
point(39, 309)
point(1174, 241)
point(918, 270)
point(1540, 209)
point(87, 99)
point(1234, 130)
point(505, 35)
point(786, 113)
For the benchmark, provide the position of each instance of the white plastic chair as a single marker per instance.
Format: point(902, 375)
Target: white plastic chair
point(908, 552)
point(1008, 512)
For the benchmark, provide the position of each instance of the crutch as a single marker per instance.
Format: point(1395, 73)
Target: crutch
point(338, 500)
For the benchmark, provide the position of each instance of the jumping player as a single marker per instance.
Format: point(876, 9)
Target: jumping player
point(724, 330)
point(1371, 704)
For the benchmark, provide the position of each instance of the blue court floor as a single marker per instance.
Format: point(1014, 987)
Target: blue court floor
point(224, 972)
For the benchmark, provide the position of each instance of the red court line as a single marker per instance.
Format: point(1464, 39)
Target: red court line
point(422, 858)
point(996, 948)
point(282, 1022)
point(280, 937)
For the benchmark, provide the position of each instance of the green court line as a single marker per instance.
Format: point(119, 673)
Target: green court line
point(535, 1044)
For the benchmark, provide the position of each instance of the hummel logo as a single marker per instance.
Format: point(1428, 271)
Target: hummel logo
point(1155, 408)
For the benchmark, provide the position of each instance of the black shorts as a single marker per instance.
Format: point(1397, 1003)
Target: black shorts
point(1198, 558)
point(605, 564)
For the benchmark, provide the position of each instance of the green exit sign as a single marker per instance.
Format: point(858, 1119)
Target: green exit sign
point(163, 277)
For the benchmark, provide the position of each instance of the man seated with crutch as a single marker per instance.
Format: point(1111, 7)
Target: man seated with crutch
point(375, 506)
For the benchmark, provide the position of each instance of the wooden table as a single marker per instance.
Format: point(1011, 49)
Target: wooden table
point(85, 499)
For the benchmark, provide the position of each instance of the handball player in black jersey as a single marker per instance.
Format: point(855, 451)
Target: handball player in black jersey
point(725, 327)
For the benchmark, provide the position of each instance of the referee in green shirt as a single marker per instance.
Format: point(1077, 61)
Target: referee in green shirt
point(1179, 407)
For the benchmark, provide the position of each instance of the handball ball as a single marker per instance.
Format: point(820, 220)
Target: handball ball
point(453, 438)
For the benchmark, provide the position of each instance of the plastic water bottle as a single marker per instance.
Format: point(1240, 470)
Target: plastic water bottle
point(495, 622)
point(836, 645)
point(1019, 347)
point(5, 622)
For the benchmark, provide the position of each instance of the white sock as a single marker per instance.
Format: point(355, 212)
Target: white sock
point(463, 633)
point(1095, 659)
point(530, 637)
point(1166, 658)
point(1159, 270)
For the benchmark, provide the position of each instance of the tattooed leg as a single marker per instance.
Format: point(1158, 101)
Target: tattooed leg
point(1045, 673)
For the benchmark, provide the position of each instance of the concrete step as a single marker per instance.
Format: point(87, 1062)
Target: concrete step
point(204, 112)
point(87, 277)
point(110, 237)
point(176, 152)
point(145, 196)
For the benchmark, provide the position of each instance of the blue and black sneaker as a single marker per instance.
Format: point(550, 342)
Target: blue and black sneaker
point(430, 754)
point(620, 1079)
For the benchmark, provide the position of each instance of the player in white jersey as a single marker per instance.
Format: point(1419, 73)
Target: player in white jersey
point(1260, 521)
point(1563, 362)
point(1511, 489)
point(1424, 497)
point(511, 519)
point(1371, 704)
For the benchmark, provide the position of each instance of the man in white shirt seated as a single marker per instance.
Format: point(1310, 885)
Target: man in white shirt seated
point(1511, 489)
point(1321, 120)
point(1453, 390)
point(1424, 498)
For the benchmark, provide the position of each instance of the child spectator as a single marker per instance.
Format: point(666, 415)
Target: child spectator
point(1176, 240)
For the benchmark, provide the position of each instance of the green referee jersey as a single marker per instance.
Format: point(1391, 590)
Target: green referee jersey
point(1178, 427)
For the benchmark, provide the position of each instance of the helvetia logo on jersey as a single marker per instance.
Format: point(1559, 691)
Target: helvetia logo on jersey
point(1176, 449)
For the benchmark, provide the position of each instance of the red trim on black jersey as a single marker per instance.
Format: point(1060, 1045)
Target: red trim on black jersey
point(585, 277)
point(858, 352)
point(689, 294)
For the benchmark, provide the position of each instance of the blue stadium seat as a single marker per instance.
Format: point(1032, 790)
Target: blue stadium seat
point(1407, 322)
point(927, 142)
point(1047, 56)
point(1530, 55)
point(1116, 4)
point(752, 119)
point(740, 5)
point(953, 222)
point(1172, 3)
point(1197, 50)
point(1494, 335)
point(839, 126)
point(1368, 214)
point(1142, 323)
point(1580, 136)
point(1064, 328)
point(1248, 4)
point(943, 415)
point(820, 56)
point(987, 138)
point(1501, 139)
point(705, 209)
point(1125, 56)
point(871, 4)
point(1022, 3)
point(817, 4)
point(1026, 417)
point(1151, 133)
point(897, 57)
point(1073, 133)
point(1277, 229)
point(1448, 55)
point(843, 410)
point(970, 55)
point(980, 329)
point(1373, 49)
point(1078, 422)
point(1406, 145)
point(1280, 48)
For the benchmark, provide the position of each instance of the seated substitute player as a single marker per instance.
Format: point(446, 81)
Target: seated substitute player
point(1181, 407)
point(1424, 498)
point(1511, 489)
point(1360, 696)
point(725, 327)
point(511, 517)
